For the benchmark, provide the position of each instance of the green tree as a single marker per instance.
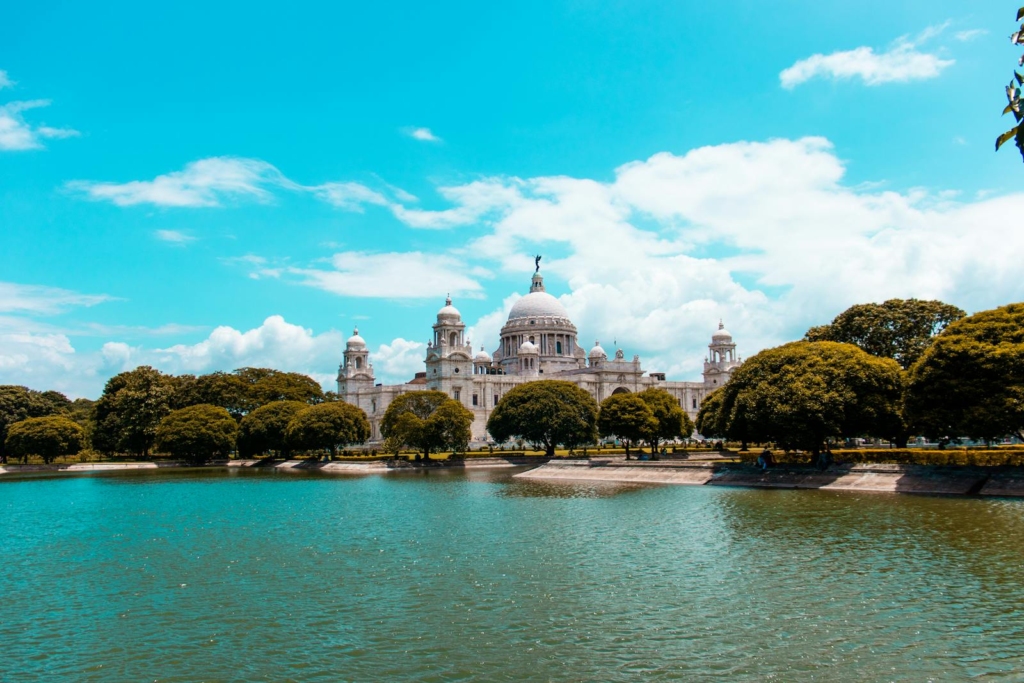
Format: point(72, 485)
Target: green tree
point(1013, 96)
point(404, 420)
point(670, 420)
point(546, 413)
point(263, 386)
point(197, 433)
point(801, 394)
point(18, 403)
point(449, 428)
point(131, 407)
point(49, 437)
point(327, 426)
point(265, 428)
point(710, 418)
point(971, 381)
point(217, 389)
point(627, 417)
point(900, 329)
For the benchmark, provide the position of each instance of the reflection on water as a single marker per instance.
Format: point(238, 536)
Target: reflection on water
point(442, 575)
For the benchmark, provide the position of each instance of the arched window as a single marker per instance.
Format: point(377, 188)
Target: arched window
point(453, 339)
point(359, 363)
point(558, 348)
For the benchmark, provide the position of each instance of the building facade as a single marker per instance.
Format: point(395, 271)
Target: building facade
point(538, 341)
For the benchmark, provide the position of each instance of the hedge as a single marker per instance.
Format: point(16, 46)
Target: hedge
point(975, 457)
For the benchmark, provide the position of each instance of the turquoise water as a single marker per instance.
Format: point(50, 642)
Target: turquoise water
point(442, 576)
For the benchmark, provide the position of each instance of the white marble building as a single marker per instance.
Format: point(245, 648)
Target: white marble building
point(538, 341)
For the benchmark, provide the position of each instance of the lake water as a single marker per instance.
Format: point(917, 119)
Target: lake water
point(443, 576)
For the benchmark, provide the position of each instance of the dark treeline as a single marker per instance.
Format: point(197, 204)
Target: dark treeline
point(894, 370)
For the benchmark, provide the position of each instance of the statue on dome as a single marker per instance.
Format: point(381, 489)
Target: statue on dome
point(536, 263)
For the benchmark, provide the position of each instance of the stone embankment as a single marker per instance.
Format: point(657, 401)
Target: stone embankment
point(879, 478)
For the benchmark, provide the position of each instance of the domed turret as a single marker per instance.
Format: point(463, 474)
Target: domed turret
point(449, 313)
point(528, 349)
point(722, 334)
point(355, 341)
point(482, 356)
point(597, 354)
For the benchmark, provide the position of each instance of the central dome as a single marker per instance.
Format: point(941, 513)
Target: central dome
point(538, 305)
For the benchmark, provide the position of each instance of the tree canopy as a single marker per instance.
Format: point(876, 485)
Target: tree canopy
point(131, 407)
point(197, 433)
point(546, 413)
point(49, 437)
point(803, 393)
point(327, 426)
point(971, 380)
point(900, 329)
point(627, 417)
point(670, 420)
point(18, 403)
point(265, 428)
point(710, 418)
point(428, 421)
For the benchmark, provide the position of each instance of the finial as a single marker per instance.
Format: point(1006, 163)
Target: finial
point(536, 263)
point(355, 331)
point(448, 299)
point(721, 325)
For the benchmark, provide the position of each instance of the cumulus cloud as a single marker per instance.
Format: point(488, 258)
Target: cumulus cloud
point(207, 182)
point(901, 63)
point(5, 80)
point(766, 235)
point(399, 361)
point(422, 134)
point(392, 275)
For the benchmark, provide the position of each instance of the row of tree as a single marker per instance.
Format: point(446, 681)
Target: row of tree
point(891, 370)
point(552, 413)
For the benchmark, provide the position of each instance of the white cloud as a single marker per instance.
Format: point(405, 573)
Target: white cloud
point(399, 361)
point(17, 134)
point(423, 134)
point(393, 275)
point(901, 63)
point(207, 182)
point(40, 300)
point(174, 237)
point(971, 34)
point(349, 196)
point(765, 235)
point(57, 133)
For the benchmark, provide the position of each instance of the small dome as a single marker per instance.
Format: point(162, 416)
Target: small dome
point(482, 356)
point(449, 312)
point(722, 333)
point(528, 348)
point(597, 352)
point(355, 341)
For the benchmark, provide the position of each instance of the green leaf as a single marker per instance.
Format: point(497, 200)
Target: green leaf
point(1020, 13)
point(1020, 79)
point(1005, 136)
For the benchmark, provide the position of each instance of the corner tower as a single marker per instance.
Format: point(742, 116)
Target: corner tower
point(721, 360)
point(355, 374)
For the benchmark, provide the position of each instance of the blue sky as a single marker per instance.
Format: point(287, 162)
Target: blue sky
point(202, 188)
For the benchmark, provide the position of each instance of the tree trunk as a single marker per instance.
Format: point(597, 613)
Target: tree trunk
point(549, 450)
